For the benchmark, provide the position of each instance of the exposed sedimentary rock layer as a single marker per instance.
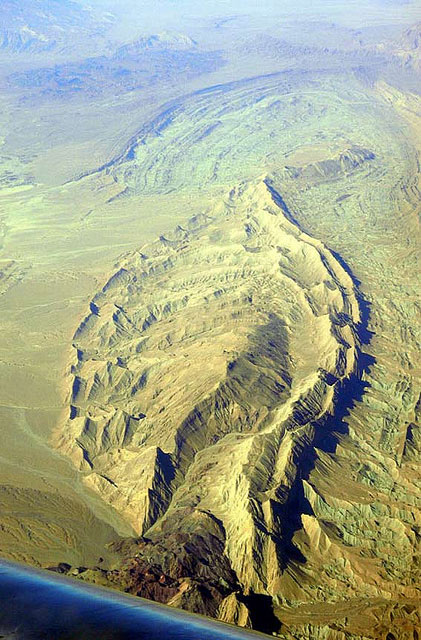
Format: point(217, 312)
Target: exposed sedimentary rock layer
point(199, 373)
point(217, 395)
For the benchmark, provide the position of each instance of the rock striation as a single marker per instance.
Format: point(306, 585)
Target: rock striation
point(232, 394)
point(201, 378)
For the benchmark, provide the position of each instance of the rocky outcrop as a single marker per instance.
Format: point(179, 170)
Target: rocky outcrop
point(202, 377)
point(340, 164)
point(410, 46)
point(234, 611)
point(230, 391)
point(406, 50)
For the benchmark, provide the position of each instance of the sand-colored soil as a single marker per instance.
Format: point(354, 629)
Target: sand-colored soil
point(210, 327)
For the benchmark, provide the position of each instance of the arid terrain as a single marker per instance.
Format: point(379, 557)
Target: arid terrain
point(210, 287)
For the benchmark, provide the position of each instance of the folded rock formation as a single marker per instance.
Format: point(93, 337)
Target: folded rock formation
point(202, 376)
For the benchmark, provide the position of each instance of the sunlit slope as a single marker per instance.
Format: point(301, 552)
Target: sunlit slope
point(239, 324)
point(218, 366)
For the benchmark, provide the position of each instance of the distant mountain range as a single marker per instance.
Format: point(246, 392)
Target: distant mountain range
point(407, 48)
point(411, 41)
point(156, 42)
point(46, 25)
point(141, 63)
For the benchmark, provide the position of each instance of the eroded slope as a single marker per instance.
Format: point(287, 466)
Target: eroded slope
point(198, 375)
point(273, 476)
